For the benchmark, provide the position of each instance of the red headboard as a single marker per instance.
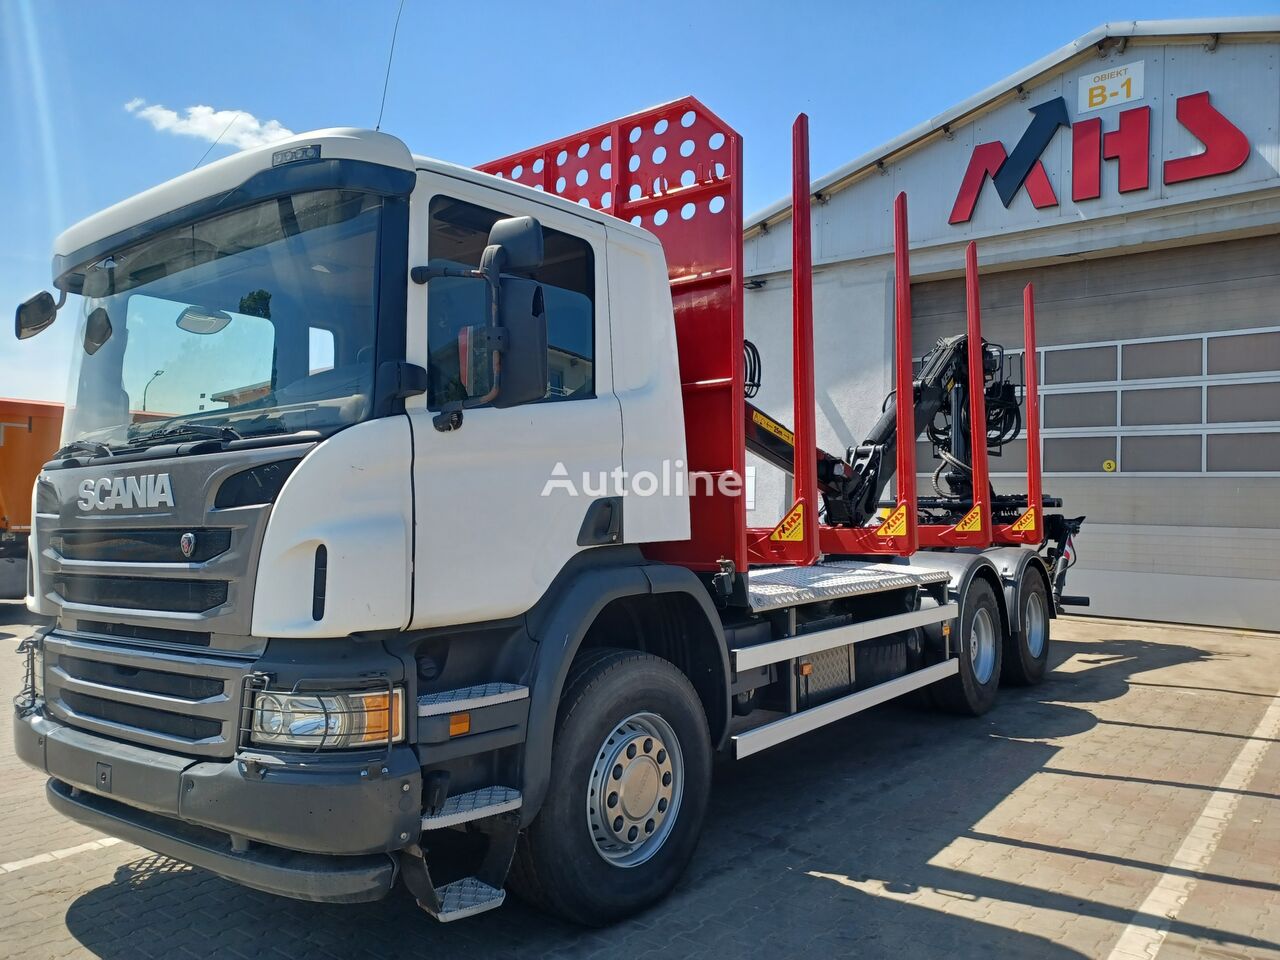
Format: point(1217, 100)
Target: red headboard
point(676, 170)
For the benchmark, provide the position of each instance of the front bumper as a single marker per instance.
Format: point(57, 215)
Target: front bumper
point(322, 829)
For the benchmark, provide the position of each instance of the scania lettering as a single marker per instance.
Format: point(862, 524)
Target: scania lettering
point(398, 531)
point(110, 493)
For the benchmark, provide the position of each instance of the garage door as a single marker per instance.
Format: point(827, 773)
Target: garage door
point(1161, 414)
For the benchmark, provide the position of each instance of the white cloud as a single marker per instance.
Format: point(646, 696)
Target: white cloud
point(205, 123)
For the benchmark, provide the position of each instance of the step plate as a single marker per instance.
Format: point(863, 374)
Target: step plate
point(469, 698)
point(466, 898)
point(475, 805)
point(772, 588)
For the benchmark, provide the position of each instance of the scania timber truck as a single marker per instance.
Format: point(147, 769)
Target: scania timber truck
point(345, 591)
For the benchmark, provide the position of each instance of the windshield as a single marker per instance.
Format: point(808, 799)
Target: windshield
point(260, 321)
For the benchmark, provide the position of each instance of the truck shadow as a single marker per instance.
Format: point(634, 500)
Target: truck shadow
point(14, 614)
point(825, 846)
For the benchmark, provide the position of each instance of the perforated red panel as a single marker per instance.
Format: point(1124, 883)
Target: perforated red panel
point(676, 170)
point(671, 169)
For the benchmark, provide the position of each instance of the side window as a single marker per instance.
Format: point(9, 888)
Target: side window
point(321, 350)
point(458, 233)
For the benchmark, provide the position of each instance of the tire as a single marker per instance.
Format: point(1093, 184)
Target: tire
point(1026, 651)
point(972, 691)
point(570, 862)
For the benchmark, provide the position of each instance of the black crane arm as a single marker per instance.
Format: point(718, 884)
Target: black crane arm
point(851, 486)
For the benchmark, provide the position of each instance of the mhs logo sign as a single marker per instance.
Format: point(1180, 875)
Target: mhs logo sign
point(148, 490)
point(1226, 148)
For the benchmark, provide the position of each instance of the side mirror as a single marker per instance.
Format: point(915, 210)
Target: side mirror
point(522, 317)
point(35, 314)
point(515, 243)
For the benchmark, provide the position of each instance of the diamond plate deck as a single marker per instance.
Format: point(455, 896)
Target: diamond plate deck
point(475, 805)
point(466, 897)
point(772, 588)
point(469, 698)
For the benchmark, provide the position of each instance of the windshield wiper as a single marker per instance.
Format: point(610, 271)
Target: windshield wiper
point(94, 447)
point(223, 433)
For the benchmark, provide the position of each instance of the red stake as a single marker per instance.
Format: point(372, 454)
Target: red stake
point(905, 378)
point(977, 396)
point(806, 441)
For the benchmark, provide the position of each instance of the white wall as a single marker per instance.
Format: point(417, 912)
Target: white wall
point(1244, 84)
point(850, 352)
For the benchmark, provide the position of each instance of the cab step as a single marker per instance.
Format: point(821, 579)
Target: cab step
point(470, 698)
point(466, 898)
point(474, 805)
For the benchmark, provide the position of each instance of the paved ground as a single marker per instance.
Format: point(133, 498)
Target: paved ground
point(1129, 807)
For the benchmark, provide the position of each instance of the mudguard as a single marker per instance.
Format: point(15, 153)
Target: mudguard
point(962, 568)
point(560, 633)
point(1012, 564)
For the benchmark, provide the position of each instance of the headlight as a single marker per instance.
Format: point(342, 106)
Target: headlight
point(329, 721)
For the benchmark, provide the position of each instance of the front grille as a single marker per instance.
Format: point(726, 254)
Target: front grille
point(142, 718)
point(140, 678)
point(130, 631)
point(140, 546)
point(142, 593)
point(184, 703)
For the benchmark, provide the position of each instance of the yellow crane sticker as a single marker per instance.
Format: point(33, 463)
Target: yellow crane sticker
point(1025, 523)
point(972, 522)
point(791, 529)
point(777, 429)
point(896, 523)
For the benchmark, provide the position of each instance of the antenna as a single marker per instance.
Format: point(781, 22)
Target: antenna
point(390, 56)
point(219, 140)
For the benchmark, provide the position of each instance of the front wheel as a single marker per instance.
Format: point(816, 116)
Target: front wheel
point(630, 780)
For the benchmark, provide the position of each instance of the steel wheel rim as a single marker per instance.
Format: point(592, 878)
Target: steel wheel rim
point(635, 789)
point(982, 645)
point(1035, 624)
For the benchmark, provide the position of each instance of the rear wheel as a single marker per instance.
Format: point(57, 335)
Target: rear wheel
point(1026, 652)
point(979, 650)
point(630, 779)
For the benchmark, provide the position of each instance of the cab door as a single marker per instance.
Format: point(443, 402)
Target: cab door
point(495, 519)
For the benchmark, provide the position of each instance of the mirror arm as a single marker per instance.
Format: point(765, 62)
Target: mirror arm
point(401, 380)
point(432, 270)
point(491, 263)
point(448, 419)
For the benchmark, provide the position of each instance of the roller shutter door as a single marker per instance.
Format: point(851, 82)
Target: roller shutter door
point(1161, 412)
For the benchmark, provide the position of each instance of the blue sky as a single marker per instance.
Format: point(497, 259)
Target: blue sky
point(97, 96)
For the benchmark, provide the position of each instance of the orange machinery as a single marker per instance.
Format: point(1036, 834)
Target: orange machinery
point(29, 431)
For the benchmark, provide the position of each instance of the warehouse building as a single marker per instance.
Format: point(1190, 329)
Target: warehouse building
point(1134, 177)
